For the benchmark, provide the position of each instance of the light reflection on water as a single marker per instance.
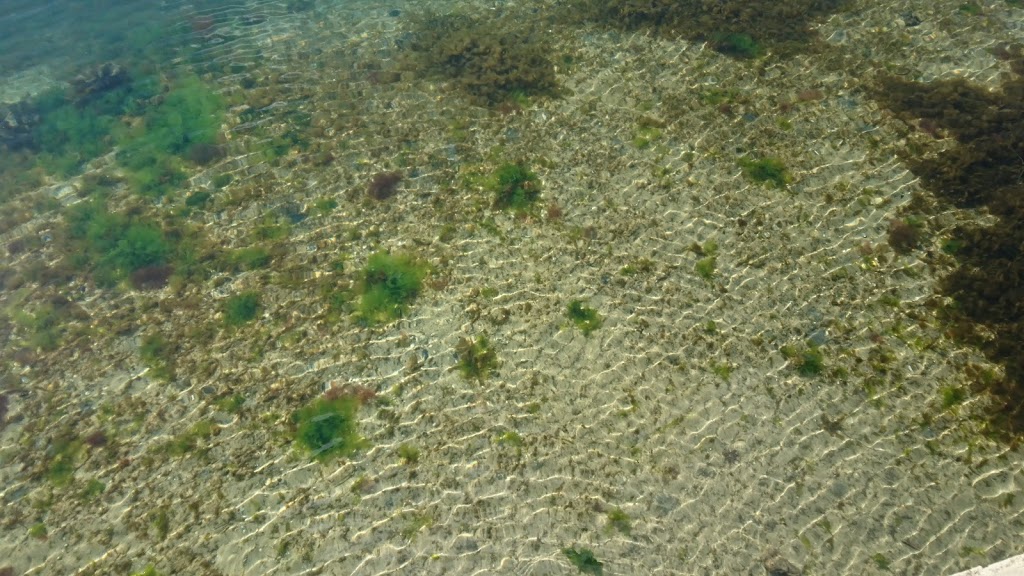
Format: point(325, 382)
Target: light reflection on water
point(683, 412)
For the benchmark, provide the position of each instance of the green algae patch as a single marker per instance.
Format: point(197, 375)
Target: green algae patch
point(112, 245)
point(160, 127)
point(62, 459)
point(241, 309)
point(182, 129)
point(69, 135)
point(585, 318)
point(326, 428)
point(389, 284)
point(515, 187)
point(584, 561)
point(737, 45)
point(409, 454)
point(808, 359)
point(769, 171)
point(620, 521)
point(250, 258)
point(158, 354)
point(194, 440)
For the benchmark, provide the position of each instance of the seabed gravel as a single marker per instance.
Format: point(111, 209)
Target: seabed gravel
point(681, 410)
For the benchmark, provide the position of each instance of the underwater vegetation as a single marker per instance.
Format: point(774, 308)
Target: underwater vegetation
point(807, 359)
point(409, 454)
point(584, 560)
point(241, 309)
point(183, 127)
point(62, 458)
point(476, 358)
point(157, 354)
point(510, 438)
point(190, 440)
point(126, 247)
point(952, 396)
point(326, 428)
point(74, 126)
point(984, 169)
point(585, 318)
point(769, 171)
point(388, 284)
point(383, 185)
point(514, 187)
point(161, 127)
point(69, 136)
point(38, 531)
point(493, 61)
point(638, 266)
point(905, 234)
point(737, 45)
point(113, 246)
point(705, 267)
point(415, 522)
point(325, 206)
point(45, 325)
point(619, 520)
point(708, 258)
point(736, 28)
point(250, 258)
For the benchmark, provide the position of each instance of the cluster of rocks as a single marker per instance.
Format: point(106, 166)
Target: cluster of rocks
point(19, 120)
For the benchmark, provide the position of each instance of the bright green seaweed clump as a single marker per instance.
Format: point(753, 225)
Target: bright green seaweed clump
point(113, 245)
point(327, 427)
point(158, 134)
point(68, 135)
point(390, 282)
point(184, 126)
point(159, 127)
point(75, 127)
point(515, 187)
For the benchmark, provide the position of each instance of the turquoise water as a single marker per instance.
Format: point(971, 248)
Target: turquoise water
point(456, 288)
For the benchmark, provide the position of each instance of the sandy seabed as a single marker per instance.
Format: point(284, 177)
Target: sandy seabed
point(680, 411)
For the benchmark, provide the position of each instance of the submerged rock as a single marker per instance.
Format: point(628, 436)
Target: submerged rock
point(776, 565)
point(17, 122)
point(103, 78)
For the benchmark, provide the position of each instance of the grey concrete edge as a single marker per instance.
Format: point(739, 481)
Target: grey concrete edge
point(1013, 566)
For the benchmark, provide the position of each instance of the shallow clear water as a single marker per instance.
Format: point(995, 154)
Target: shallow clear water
point(691, 433)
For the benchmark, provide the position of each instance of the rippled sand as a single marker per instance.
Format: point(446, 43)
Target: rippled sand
point(680, 410)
